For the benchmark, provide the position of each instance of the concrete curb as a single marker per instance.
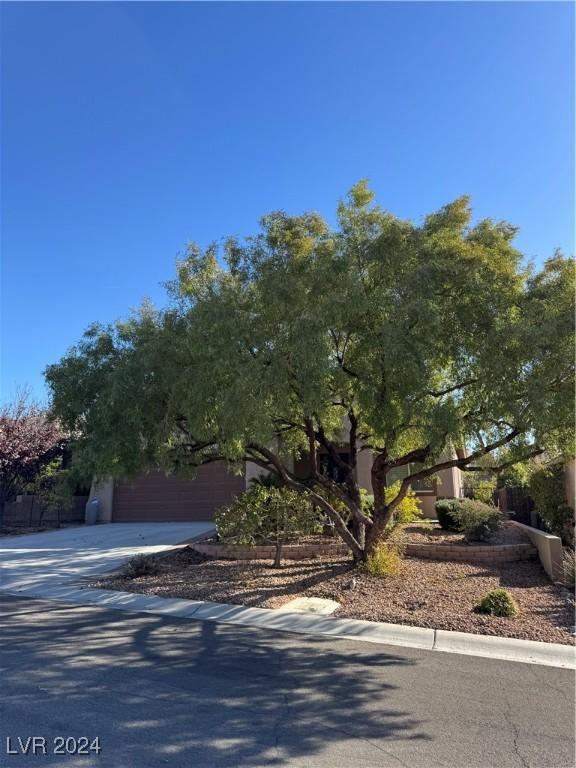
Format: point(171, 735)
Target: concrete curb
point(489, 646)
point(506, 648)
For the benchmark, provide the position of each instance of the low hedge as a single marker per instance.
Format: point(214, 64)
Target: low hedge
point(476, 520)
point(444, 510)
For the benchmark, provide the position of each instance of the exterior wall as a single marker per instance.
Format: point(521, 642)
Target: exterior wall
point(427, 500)
point(549, 550)
point(363, 470)
point(252, 471)
point(104, 493)
point(450, 483)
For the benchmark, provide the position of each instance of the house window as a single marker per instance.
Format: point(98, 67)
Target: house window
point(399, 473)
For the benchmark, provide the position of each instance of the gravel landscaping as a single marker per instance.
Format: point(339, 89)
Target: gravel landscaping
point(424, 532)
point(426, 593)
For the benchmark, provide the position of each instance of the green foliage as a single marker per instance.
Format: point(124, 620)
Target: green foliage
point(560, 522)
point(53, 487)
point(141, 565)
point(267, 514)
point(498, 602)
point(484, 490)
point(547, 488)
point(431, 335)
point(515, 476)
point(445, 509)
point(409, 510)
point(477, 521)
point(385, 561)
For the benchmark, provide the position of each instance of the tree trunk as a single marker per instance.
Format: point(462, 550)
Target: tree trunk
point(359, 533)
point(278, 555)
point(376, 532)
point(382, 513)
point(2, 505)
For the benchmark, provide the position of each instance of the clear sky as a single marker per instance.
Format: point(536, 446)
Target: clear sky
point(129, 129)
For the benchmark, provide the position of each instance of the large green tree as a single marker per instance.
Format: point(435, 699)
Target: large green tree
point(404, 341)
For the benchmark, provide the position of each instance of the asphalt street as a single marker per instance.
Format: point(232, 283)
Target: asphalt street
point(161, 691)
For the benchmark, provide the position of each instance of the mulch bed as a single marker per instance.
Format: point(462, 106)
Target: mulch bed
point(426, 593)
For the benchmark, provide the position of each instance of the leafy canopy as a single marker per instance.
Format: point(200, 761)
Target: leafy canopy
point(417, 338)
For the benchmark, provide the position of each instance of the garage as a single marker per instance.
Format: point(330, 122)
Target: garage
point(156, 498)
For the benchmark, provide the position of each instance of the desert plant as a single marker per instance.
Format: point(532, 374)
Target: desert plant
point(444, 509)
point(498, 602)
point(477, 521)
point(141, 565)
point(269, 515)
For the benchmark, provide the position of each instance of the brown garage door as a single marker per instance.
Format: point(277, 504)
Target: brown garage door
point(155, 498)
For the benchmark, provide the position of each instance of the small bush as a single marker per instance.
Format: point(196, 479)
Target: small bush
point(267, 515)
point(477, 521)
point(141, 565)
point(384, 561)
point(498, 602)
point(444, 512)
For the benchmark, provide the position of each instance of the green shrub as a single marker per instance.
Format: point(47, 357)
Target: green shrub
point(477, 521)
point(267, 515)
point(409, 508)
point(484, 491)
point(560, 522)
point(444, 509)
point(141, 565)
point(386, 560)
point(514, 476)
point(547, 488)
point(498, 602)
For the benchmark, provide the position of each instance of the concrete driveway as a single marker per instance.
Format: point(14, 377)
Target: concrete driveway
point(31, 563)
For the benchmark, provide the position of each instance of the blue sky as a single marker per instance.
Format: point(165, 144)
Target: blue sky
point(129, 129)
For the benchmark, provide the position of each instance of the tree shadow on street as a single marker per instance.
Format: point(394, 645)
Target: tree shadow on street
point(191, 693)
